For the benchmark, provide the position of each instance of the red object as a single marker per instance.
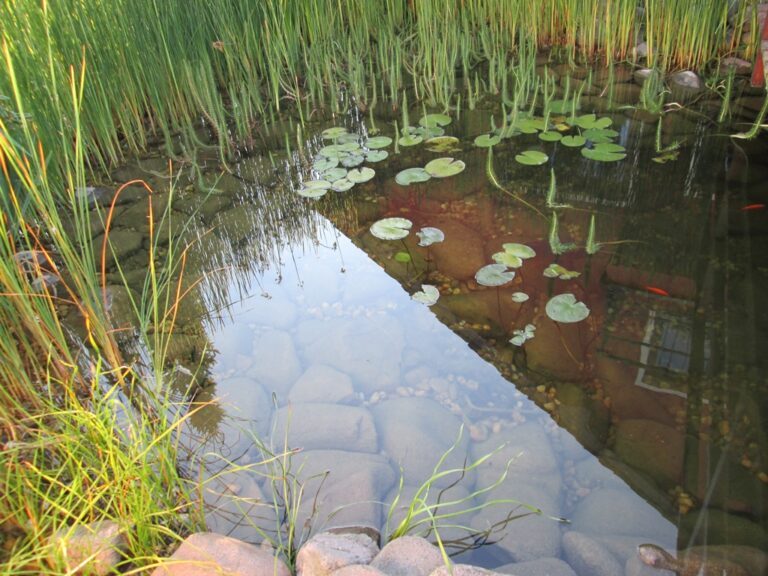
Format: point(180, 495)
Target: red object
point(657, 291)
point(758, 72)
point(753, 207)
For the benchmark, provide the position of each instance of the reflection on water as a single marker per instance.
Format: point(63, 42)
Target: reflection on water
point(642, 424)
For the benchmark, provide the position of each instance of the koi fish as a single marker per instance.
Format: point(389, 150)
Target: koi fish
point(657, 291)
point(753, 207)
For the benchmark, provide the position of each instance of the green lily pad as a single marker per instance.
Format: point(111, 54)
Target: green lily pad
point(427, 295)
point(532, 158)
point(391, 228)
point(566, 309)
point(509, 260)
point(531, 125)
point(412, 176)
point(442, 144)
point(521, 336)
point(557, 271)
point(428, 132)
point(342, 185)
point(428, 236)
point(333, 174)
point(520, 297)
point(360, 175)
point(519, 250)
point(332, 151)
point(432, 120)
point(410, 140)
point(487, 140)
point(376, 155)
point(403, 257)
point(348, 137)
point(605, 152)
point(562, 106)
point(597, 135)
point(353, 160)
point(444, 167)
point(573, 141)
point(333, 133)
point(550, 136)
point(353, 147)
point(322, 163)
point(314, 188)
point(588, 121)
point(378, 142)
point(494, 275)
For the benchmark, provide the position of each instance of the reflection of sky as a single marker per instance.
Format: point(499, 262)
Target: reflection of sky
point(330, 303)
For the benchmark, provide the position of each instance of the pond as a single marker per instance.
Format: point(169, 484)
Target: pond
point(642, 422)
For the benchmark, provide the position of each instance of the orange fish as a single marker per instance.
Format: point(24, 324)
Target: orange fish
point(658, 291)
point(753, 207)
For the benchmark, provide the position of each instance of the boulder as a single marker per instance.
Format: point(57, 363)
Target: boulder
point(588, 558)
point(408, 556)
point(235, 506)
point(461, 254)
point(685, 85)
point(358, 570)
point(540, 567)
point(327, 552)
point(206, 553)
point(322, 426)
point(275, 362)
point(321, 383)
point(461, 570)
point(587, 419)
point(94, 548)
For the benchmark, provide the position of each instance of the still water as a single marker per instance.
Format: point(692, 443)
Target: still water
point(643, 423)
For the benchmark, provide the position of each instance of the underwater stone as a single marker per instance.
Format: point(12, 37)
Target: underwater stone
point(408, 556)
point(235, 505)
point(327, 552)
point(323, 426)
point(462, 570)
point(461, 254)
point(588, 557)
point(275, 363)
point(540, 567)
point(652, 447)
point(321, 383)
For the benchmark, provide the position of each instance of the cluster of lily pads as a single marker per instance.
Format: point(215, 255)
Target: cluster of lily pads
point(338, 166)
point(590, 133)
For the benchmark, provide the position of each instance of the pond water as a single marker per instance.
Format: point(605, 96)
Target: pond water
point(643, 423)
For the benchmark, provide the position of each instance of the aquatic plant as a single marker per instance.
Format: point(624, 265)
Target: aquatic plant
point(520, 337)
point(427, 295)
point(391, 228)
point(566, 309)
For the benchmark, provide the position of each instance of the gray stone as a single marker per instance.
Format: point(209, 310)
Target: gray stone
point(205, 553)
point(321, 383)
point(94, 548)
point(235, 506)
point(685, 85)
point(415, 433)
point(358, 570)
point(462, 570)
point(325, 553)
point(321, 426)
point(369, 349)
point(636, 567)
point(277, 311)
point(275, 363)
point(349, 494)
point(408, 556)
point(621, 512)
point(540, 567)
point(588, 558)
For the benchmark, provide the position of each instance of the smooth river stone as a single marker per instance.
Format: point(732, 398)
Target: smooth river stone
point(323, 426)
point(321, 383)
point(653, 448)
point(540, 567)
point(325, 553)
point(275, 362)
point(588, 557)
point(408, 556)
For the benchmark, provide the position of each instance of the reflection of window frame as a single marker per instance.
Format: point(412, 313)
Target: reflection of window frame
point(646, 347)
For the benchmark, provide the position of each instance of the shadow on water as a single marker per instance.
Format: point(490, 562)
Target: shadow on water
point(642, 424)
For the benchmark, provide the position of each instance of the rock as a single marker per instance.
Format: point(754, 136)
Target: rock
point(636, 567)
point(277, 311)
point(94, 548)
point(588, 420)
point(358, 570)
point(123, 242)
point(652, 447)
point(415, 433)
point(235, 506)
point(408, 556)
point(547, 352)
point(369, 350)
point(324, 553)
point(588, 558)
point(247, 412)
point(609, 510)
point(684, 85)
point(641, 50)
point(205, 553)
point(349, 494)
point(461, 254)
point(275, 363)
point(322, 426)
point(722, 528)
point(321, 383)
point(462, 570)
point(540, 567)
point(742, 67)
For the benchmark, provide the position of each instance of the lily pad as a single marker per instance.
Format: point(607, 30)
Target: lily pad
point(442, 144)
point(566, 309)
point(342, 185)
point(532, 158)
point(353, 147)
point(427, 295)
point(333, 133)
point(494, 275)
point(314, 188)
point(378, 142)
point(412, 176)
point(557, 271)
point(573, 141)
point(428, 132)
point(334, 174)
point(353, 160)
point(360, 175)
point(597, 135)
point(588, 121)
point(531, 125)
point(563, 106)
point(348, 137)
point(444, 167)
point(376, 155)
point(432, 120)
point(428, 236)
point(391, 228)
point(507, 259)
point(332, 151)
point(520, 297)
point(410, 140)
point(519, 250)
point(403, 257)
point(605, 152)
point(521, 336)
point(487, 140)
point(550, 136)
point(323, 163)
